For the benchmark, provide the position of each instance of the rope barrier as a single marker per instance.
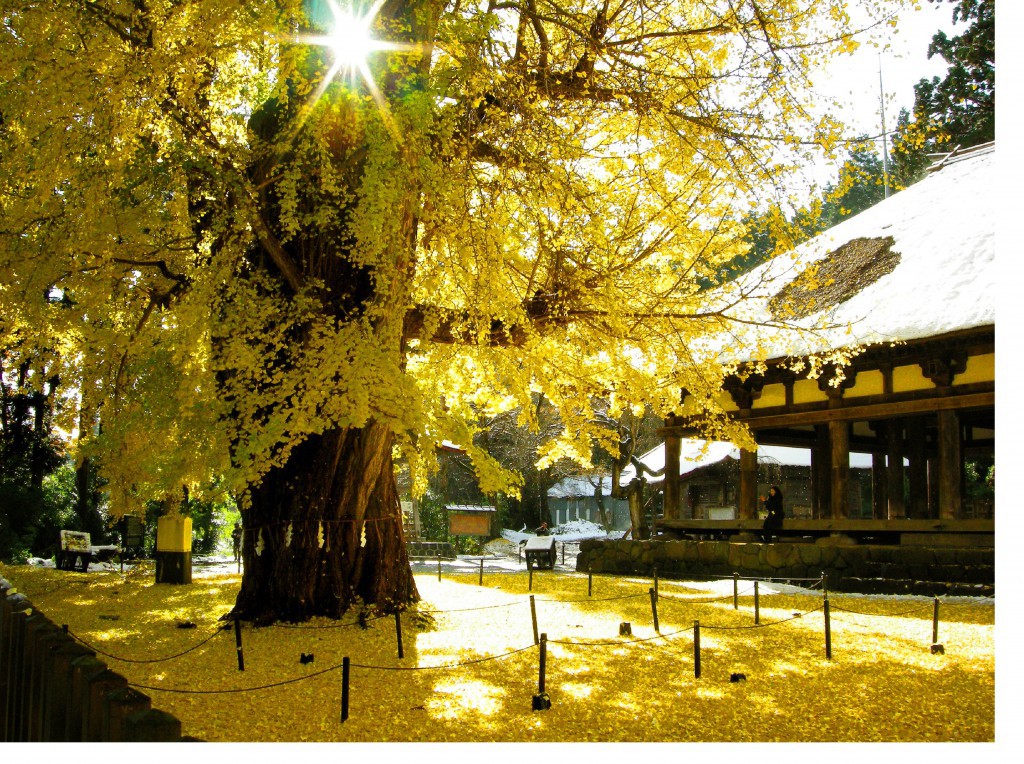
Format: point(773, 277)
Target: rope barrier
point(148, 660)
point(449, 666)
point(762, 625)
point(689, 601)
point(330, 626)
point(927, 606)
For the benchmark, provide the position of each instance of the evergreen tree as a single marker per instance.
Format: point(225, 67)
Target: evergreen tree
point(959, 108)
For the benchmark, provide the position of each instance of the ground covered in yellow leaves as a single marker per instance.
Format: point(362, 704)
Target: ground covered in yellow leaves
point(470, 667)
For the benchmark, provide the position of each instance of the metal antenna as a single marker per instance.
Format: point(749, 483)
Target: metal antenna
point(885, 141)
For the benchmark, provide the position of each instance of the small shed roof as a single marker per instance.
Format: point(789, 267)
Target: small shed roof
point(469, 508)
point(578, 486)
point(696, 454)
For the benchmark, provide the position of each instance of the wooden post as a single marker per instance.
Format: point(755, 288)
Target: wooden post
point(671, 480)
point(152, 726)
point(438, 566)
point(533, 616)
point(117, 706)
point(345, 666)
point(879, 484)
point(894, 469)
point(98, 686)
point(839, 435)
point(950, 502)
point(917, 474)
point(935, 622)
point(238, 645)
point(58, 691)
point(757, 605)
point(696, 649)
point(821, 473)
point(748, 484)
point(735, 591)
point(82, 671)
point(828, 632)
point(590, 583)
point(655, 581)
point(654, 609)
point(481, 571)
point(529, 567)
point(398, 634)
point(542, 677)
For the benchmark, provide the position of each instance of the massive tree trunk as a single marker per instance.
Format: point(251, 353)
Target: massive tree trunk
point(325, 531)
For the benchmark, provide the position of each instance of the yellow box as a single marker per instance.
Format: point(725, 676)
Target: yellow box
point(174, 534)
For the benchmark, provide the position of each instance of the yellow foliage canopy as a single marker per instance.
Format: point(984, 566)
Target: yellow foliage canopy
point(533, 197)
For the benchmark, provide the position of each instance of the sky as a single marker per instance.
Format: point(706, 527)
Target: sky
point(904, 61)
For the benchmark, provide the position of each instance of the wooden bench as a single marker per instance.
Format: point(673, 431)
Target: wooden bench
point(76, 551)
point(540, 552)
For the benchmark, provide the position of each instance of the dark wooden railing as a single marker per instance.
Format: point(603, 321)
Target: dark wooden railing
point(53, 689)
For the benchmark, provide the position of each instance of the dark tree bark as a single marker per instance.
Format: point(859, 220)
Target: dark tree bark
point(325, 531)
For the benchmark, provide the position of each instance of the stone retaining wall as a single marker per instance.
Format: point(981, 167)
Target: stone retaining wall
point(931, 571)
point(431, 549)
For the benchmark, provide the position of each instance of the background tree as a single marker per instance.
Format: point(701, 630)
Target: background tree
point(291, 265)
point(959, 109)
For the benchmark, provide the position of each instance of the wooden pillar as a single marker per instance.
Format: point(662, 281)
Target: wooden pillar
point(917, 474)
point(671, 479)
point(894, 470)
point(950, 503)
point(821, 474)
point(839, 436)
point(748, 484)
point(879, 484)
point(933, 485)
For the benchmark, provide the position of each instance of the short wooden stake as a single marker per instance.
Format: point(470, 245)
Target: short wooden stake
point(481, 571)
point(439, 566)
point(654, 609)
point(757, 605)
point(696, 649)
point(238, 645)
point(590, 584)
point(530, 568)
point(655, 582)
point(398, 634)
point(533, 615)
point(935, 622)
point(563, 553)
point(735, 591)
point(828, 632)
point(543, 663)
point(824, 583)
point(344, 687)
point(541, 701)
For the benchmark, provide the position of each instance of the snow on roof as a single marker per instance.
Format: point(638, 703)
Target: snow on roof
point(943, 280)
point(468, 508)
point(579, 485)
point(696, 454)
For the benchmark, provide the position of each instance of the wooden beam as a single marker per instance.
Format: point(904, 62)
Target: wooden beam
point(748, 484)
point(879, 484)
point(950, 502)
point(670, 485)
point(894, 469)
point(917, 474)
point(821, 472)
point(877, 411)
point(839, 437)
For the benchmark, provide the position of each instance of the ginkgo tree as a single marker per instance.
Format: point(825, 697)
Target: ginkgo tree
point(277, 245)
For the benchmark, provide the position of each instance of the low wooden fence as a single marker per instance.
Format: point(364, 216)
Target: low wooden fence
point(53, 689)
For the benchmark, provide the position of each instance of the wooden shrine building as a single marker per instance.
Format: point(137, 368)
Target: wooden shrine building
point(912, 280)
